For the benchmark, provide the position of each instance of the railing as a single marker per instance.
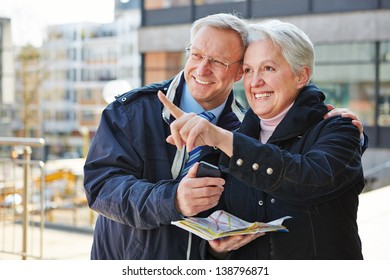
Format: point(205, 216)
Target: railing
point(37, 195)
point(16, 205)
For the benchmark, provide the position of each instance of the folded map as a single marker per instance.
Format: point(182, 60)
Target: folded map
point(222, 224)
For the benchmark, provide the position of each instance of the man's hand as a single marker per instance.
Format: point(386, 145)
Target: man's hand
point(224, 245)
point(195, 195)
point(347, 113)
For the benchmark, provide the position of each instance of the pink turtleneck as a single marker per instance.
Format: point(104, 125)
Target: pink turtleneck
point(268, 125)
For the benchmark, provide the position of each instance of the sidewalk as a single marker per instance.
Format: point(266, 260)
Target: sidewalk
point(61, 243)
point(66, 245)
point(373, 220)
point(374, 224)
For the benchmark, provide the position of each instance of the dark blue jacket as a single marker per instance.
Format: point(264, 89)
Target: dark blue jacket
point(128, 177)
point(309, 169)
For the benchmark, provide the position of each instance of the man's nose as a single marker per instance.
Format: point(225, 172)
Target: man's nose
point(204, 66)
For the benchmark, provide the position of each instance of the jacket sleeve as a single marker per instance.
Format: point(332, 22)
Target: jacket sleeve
point(324, 168)
point(113, 172)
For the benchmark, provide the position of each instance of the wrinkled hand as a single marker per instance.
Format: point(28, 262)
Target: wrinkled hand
point(224, 245)
point(195, 195)
point(192, 130)
point(347, 113)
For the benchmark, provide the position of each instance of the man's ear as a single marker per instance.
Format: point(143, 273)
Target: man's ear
point(303, 77)
point(239, 75)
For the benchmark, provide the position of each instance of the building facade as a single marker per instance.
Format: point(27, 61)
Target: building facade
point(351, 37)
point(146, 43)
point(78, 61)
point(7, 78)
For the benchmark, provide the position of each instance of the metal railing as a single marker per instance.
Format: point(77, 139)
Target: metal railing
point(37, 196)
point(17, 215)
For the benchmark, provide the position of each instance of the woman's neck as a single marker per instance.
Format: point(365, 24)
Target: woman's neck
point(268, 125)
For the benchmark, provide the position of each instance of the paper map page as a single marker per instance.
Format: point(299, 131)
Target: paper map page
point(222, 224)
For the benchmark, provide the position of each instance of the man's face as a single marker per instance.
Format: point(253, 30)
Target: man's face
point(209, 81)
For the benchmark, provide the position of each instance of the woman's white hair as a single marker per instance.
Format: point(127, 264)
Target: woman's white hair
point(296, 46)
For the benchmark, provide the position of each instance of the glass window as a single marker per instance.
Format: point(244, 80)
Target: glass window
point(87, 116)
point(347, 52)
point(384, 91)
point(164, 4)
point(201, 2)
point(346, 74)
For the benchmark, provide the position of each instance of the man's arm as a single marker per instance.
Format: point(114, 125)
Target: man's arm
point(114, 178)
point(123, 185)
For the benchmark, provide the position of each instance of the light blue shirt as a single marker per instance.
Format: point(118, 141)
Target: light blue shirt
point(188, 104)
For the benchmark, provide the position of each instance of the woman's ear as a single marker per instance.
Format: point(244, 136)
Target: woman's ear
point(303, 76)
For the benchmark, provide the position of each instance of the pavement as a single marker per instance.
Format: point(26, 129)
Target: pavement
point(59, 243)
point(62, 243)
point(66, 244)
point(374, 223)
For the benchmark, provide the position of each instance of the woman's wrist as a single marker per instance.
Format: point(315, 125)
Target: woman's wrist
point(226, 142)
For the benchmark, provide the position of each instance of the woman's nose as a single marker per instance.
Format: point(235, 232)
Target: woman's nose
point(257, 80)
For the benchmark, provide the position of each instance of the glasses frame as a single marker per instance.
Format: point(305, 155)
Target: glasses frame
point(213, 62)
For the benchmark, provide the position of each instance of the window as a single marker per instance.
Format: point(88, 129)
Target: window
point(384, 78)
point(346, 74)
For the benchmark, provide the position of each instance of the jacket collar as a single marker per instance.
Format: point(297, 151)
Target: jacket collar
point(308, 109)
point(173, 94)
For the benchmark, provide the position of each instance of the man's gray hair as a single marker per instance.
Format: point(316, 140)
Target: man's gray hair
point(223, 21)
point(296, 46)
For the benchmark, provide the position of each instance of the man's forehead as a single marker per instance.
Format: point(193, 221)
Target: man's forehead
point(217, 42)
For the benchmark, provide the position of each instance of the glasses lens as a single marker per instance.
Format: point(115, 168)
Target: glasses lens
point(214, 63)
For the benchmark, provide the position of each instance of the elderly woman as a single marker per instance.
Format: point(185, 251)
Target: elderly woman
point(286, 159)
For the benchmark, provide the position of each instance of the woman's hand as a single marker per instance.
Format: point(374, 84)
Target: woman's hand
point(192, 130)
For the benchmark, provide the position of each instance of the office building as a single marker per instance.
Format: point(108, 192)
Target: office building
point(351, 37)
point(79, 61)
point(7, 76)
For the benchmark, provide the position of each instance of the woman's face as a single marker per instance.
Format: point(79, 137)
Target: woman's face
point(269, 82)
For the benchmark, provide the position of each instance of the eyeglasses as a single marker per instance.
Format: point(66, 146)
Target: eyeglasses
point(215, 63)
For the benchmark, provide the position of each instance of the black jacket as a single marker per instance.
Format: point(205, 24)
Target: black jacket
point(309, 169)
point(128, 177)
